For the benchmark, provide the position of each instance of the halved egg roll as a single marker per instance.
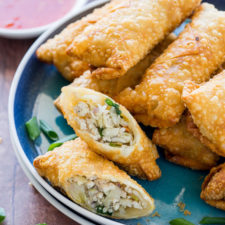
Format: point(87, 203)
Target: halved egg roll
point(207, 107)
point(213, 187)
point(94, 182)
point(122, 38)
point(54, 50)
point(130, 79)
point(110, 130)
point(182, 148)
point(197, 52)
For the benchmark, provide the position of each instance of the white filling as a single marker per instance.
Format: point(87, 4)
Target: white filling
point(106, 197)
point(104, 124)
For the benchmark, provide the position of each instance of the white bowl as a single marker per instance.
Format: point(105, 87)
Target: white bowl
point(36, 31)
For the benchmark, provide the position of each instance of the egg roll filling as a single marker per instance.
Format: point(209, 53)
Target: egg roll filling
point(105, 123)
point(104, 196)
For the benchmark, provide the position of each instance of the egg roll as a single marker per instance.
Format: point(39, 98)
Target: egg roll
point(213, 187)
point(54, 49)
point(94, 182)
point(125, 36)
point(110, 130)
point(182, 148)
point(196, 53)
point(130, 79)
point(207, 107)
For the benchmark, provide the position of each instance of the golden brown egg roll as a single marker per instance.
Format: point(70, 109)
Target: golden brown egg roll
point(94, 182)
point(130, 79)
point(110, 130)
point(207, 107)
point(54, 50)
point(213, 187)
point(182, 148)
point(194, 55)
point(125, 36)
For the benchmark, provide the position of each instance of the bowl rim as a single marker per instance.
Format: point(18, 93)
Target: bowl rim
point(13, 133)
point(36, 31)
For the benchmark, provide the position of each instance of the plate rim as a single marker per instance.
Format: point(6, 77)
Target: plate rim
point(18, 148)
point(36, 31)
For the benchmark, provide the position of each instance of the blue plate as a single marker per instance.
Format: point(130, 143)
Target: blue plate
point(34, 88)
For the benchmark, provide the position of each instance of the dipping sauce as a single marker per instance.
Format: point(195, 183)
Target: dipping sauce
point(22, 14)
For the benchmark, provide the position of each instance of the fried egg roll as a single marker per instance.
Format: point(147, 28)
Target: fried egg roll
point(125, 36)
point(130, 79)
point(182, 148)
point(54, 50)
point(110, 130)
point(207, 107)
point(197, 52)
point(213, 187)
point(94, 182)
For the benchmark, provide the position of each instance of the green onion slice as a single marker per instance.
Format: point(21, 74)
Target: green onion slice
point(113, 144)
point(99, 209)
point(116, 106)
point(33, 129)
point(2, 214)
point(100, 130)
point(48, 131)
point(212, 220)
point(61, 141)
point(42, 224)
point(180, 221)
point(109, 102)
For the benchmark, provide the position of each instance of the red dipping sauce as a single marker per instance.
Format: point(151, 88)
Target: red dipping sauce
point(22, 14)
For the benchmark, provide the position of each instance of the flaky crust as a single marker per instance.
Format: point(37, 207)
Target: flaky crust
point(194, 55)
point(182, 148)
point(130, 79)
point(74, 158)
point(121, 39)
point(207, 108)
point(139, 159)
point(194, 130)
point(54, 50)
point(213, 187)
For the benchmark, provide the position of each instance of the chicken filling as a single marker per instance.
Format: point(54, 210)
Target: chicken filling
point(105, 123)
point(107, 197)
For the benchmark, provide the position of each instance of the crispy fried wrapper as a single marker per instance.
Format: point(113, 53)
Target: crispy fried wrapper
point(182, 148)
point(207, 108)
point(125, 36)
point(213, 187)
point(194, 55)
point(130, 79)
point(94, 182)
point(54, 50)
point(110, 130)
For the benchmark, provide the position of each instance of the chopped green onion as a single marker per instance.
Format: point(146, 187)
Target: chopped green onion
point(116, 106)
point(118, 111)
point(113, 144)
point(48, 131)
point(61, 141)
point(100, 130)
point(33, 128)
point(180, 221)
point(109, 102)
point(2, 215)
point(134, 197)
point(42, 224)
point(212, 220)
point(99, 209)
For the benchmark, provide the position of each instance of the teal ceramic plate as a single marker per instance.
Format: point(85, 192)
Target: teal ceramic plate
point(34, 88)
